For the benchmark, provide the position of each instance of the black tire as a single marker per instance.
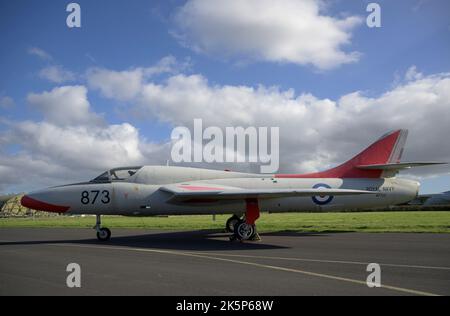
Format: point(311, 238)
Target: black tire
point(104, 234)
point(231, 223)
point(244, 231)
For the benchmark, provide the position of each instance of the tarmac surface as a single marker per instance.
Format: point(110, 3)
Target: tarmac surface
point(33, 261)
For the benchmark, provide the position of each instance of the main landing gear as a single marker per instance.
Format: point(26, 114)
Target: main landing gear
point(245, 229)
point(103, 233)
point(231, 222)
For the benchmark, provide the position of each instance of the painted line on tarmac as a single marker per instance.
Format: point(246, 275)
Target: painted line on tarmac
point(271, 267)
point(314, 260)
point(325, 261)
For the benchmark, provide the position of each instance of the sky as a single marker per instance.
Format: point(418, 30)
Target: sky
point(77, 101)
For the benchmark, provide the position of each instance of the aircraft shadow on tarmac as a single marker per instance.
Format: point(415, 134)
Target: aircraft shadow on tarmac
point(198, 240)
point(293, 233)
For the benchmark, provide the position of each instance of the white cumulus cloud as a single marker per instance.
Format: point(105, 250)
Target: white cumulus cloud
point(67, 105)
point(121, 85)
point(286, 31)
point(413, 74)
point(51, 154)
point(71, 143)
point(125, 85)
point(314, 133)
point(56, 74)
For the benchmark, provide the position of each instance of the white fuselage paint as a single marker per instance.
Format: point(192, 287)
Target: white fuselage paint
point(140, 194)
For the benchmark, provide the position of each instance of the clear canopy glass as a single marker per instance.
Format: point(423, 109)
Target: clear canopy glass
point(117, 174)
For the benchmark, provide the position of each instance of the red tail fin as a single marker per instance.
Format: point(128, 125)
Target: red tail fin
point(387, 149)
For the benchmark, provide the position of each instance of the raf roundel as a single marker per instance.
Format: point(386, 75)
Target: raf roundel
point(320, 199)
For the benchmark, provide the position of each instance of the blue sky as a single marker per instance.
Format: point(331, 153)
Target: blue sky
point(124, 35)
point(118, 35)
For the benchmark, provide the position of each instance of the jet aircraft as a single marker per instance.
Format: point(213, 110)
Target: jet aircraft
point(367, 180)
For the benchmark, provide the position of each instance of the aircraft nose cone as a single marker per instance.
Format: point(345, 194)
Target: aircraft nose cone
point(36, 202)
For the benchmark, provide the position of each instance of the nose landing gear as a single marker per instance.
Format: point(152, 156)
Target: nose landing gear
point(103, 233)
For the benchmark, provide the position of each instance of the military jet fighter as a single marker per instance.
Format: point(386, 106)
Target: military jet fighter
point(438, 199)
point(365, 181)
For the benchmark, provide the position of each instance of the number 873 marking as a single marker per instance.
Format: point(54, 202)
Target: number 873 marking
point(91, 197)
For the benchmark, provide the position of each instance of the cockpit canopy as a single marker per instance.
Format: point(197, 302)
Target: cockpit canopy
point(117, 174)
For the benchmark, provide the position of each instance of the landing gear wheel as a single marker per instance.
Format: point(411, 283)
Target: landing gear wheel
point(231, 223)
point(244, 231)
point(104, 234)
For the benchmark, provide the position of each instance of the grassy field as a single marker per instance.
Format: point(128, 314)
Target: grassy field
point(430, 222)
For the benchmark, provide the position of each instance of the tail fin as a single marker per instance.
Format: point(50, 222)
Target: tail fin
point(386, 150)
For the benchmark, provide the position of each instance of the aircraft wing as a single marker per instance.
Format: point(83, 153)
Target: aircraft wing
point(204, 192)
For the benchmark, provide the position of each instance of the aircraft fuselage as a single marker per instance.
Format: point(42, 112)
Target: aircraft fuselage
point(141, 194)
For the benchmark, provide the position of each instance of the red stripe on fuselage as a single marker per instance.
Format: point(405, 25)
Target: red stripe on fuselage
point(198, 188)
point(42, 206)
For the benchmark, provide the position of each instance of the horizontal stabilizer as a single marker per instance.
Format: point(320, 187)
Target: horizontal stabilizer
point(398, 166)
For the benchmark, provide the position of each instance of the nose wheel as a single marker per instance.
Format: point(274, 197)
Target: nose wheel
point(103, 233)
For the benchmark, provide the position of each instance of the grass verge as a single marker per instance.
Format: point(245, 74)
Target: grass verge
point(417, 222)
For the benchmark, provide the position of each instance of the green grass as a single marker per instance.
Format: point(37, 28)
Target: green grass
point(429, 222)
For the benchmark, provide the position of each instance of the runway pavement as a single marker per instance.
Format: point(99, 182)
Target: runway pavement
point(137, 262)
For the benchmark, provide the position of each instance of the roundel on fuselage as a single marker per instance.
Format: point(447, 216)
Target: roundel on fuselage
point(322, 200)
